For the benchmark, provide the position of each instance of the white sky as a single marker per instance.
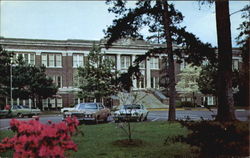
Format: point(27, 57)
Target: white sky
point(87, 19)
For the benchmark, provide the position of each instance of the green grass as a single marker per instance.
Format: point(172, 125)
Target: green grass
point(98, 141)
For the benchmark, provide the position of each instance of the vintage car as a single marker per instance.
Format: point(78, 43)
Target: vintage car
point(131, 112)
point(93, 112)
point(67, 109)
point(20, 111)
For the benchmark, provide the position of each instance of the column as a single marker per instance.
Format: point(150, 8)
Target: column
point(134, 80)
point(148, 74)
point(118, 62)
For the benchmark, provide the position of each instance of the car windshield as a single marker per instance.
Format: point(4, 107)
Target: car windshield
point(131, 107)
point(24, 107)
point(87, 106)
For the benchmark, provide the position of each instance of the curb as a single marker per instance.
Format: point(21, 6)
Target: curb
point(178, 109)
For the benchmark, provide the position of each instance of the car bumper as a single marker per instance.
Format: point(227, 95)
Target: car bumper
point(126, 118)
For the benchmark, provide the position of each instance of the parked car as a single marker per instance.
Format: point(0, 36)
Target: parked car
point(20, 111)
point(94, 112)
point(131, 112)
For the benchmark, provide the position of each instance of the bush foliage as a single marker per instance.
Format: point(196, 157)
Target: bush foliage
point(34, 139)
point(215, 139)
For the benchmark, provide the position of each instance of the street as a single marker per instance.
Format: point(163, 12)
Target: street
point(242, 115)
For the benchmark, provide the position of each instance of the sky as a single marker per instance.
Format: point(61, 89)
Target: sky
point(63, 20)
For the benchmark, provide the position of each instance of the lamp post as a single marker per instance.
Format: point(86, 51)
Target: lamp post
point(11, 100)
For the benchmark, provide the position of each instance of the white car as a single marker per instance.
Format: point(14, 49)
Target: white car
point(131, 112)
point(63, 110)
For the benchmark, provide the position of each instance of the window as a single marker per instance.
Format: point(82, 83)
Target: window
point(32, 59)
point(57, 80)
point(44, 59)
point(59, 102)
point(58, 60)
point(45, 102)
point(52, 60)
point(77, 60)
point(235, 64)
point(154, 63)
point(183, 65)
point(27, 57)
point(52, 102)
point(155, 82)
point(125, 62)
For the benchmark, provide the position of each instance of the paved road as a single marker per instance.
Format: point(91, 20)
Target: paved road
point(153, 116)
point(242, 115)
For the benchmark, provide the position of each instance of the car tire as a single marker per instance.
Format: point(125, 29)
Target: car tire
point(146, 117)
point(97, 120)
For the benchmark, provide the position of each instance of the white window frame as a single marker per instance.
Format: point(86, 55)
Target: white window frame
point(58, 60)
point(28, 60)
point(44, 58)
point(154, 63)
point(51, 60)
point(59, 102)
point(78, 60)
point(127, 62)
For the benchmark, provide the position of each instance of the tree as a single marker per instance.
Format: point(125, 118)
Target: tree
point(161, 18)
point(207, 79)
point(243, 40)
point(188, 81)
point(28, 81)
point(5, 60)
point(224, 84)
point(97, 79)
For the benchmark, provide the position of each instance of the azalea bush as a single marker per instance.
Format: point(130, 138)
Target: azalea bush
point(36, 140)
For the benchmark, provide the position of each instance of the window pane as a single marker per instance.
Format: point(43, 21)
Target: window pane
point(32, 59)
point(74, 60)
point(26, 58)
point(59, 102)
point(58, 60)
point(127, 61)
point(44, 59)
point(122, 62)
point(80, 61)
point(51, 60)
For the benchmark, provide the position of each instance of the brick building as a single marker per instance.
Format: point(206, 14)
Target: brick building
point(62, 57)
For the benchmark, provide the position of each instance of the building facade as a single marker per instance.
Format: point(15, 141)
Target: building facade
point(63, 57)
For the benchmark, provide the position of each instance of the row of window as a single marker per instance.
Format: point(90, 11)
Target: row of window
point(55, 60)
point(50, 102)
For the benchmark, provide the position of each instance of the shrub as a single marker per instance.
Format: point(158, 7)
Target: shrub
point(34, 139)
point(219, 139)
point(186, 104)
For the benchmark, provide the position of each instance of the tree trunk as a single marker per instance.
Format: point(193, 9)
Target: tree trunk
point(171, 68)
point(225, 94)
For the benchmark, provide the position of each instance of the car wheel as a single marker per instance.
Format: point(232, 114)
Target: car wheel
point(146, 117)
point(140, 118)
point(97, 120)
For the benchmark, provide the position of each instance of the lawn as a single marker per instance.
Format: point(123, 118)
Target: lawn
point(99, 141)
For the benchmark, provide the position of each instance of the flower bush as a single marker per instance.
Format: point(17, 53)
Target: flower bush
point(36, 140)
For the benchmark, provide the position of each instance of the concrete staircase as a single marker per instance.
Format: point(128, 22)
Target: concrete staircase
point(146, 98)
